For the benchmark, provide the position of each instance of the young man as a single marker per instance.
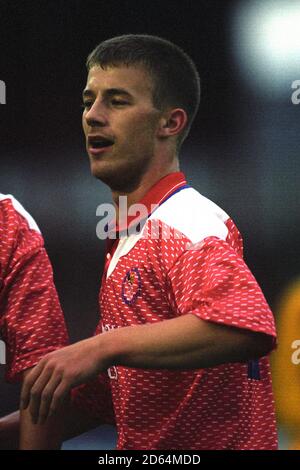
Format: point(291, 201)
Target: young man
point(184, 328)
point(31, 320)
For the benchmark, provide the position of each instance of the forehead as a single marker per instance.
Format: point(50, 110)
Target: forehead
point(135, 79)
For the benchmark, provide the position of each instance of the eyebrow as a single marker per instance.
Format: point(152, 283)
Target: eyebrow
point(108, 93)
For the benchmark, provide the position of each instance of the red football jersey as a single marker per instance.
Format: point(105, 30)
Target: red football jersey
point(31, 320)
point(187, 259)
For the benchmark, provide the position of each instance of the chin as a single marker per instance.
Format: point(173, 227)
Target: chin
point(120, 174)
point(118, 179)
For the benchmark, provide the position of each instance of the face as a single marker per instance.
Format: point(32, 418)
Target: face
point(120, 124)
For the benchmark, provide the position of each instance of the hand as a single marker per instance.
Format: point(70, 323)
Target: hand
point(49, 382)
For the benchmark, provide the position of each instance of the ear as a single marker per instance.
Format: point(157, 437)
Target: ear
point(172, 123)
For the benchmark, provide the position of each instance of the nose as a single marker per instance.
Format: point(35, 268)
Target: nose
point(96, 116)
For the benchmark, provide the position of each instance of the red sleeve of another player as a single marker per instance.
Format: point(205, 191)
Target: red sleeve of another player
point(32, 323)
point(214, 283)
point(95, 399)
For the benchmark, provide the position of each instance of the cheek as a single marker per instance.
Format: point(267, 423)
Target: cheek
point(140, 126)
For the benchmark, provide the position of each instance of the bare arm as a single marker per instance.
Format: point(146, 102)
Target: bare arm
point(47, 436)
point(76, 422)
point(9, 431)
point(18, 431)
point(40, 436)
point(66, 423)
point(186, 342)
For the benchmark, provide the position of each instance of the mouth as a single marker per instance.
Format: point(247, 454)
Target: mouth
point(99, 144)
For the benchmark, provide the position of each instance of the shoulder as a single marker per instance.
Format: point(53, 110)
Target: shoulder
point(19, 234)
point(13, 214)
point(193, 215)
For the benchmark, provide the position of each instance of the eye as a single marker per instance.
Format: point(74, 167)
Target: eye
point(116, 102)
point(86, 104)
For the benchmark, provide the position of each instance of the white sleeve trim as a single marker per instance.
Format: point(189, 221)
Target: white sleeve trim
point(193, 215)
point(20, 209)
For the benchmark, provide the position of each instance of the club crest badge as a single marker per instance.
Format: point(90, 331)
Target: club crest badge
point(131, 286)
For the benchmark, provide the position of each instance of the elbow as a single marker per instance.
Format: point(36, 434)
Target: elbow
point(257, 345)
point(263, 344)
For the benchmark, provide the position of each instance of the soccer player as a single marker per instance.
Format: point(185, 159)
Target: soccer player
point(184, 333)
point(31, 320)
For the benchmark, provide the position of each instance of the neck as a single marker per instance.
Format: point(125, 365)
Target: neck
point(154, 174)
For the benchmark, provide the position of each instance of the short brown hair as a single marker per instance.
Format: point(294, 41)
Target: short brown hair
point(175, 77)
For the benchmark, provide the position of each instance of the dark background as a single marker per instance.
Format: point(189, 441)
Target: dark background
point(243, 150)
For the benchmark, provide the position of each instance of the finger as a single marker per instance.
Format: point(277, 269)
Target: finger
point(59, 396)
point(36, 393)
point(46, 398)
point(28, 383)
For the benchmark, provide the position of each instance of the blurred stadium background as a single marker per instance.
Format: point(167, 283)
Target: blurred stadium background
point(243, 151)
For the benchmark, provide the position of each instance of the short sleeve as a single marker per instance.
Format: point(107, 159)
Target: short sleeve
point(31, 319)
point(212, 281)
